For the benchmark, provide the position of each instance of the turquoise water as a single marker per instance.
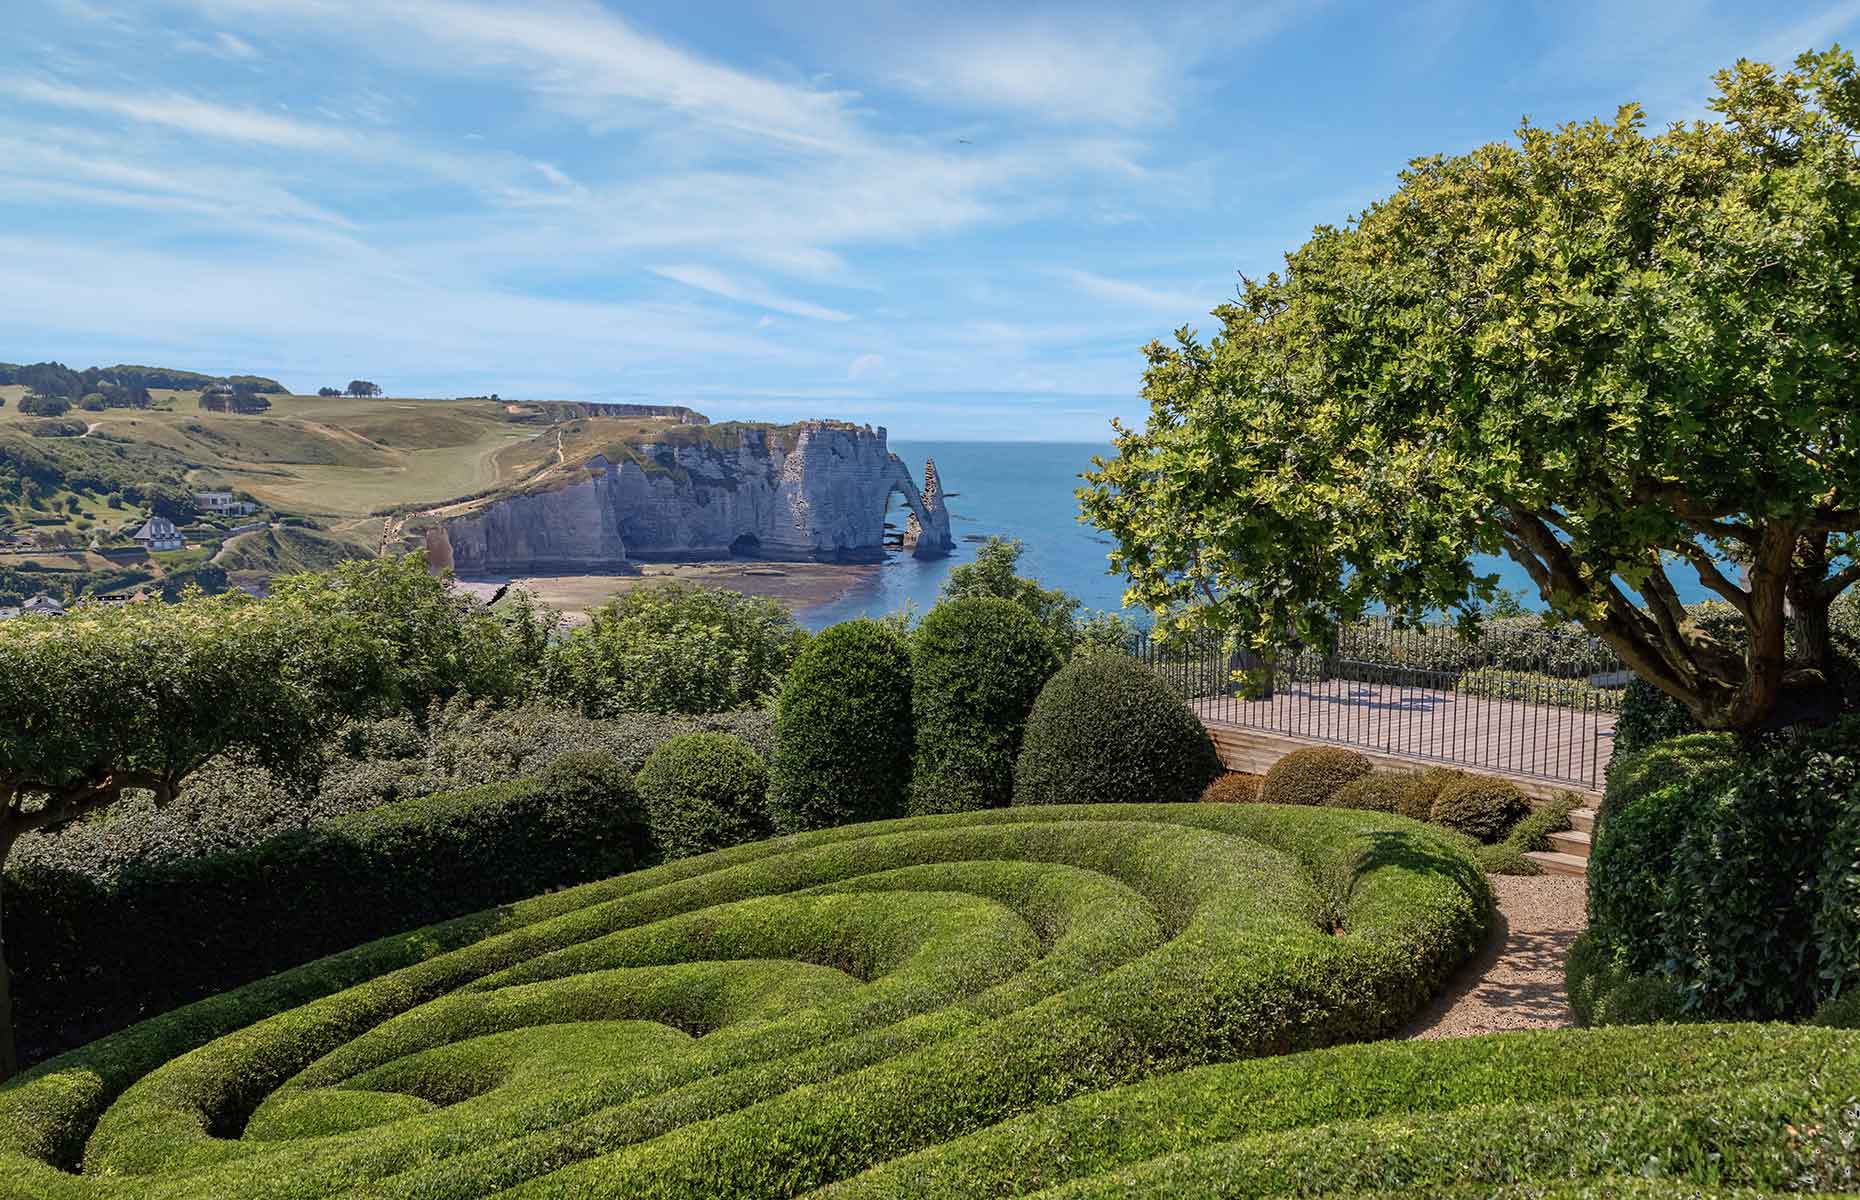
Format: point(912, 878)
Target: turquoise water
point(1025, 490)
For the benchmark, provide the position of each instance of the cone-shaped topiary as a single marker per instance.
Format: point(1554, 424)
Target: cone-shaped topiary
point(843, 733)
point(1480, 806)
point(702, 792)
point(977, 665)
point(1378, 791)
point(1312, 775)
point(1232, 788)
point(1106, 730)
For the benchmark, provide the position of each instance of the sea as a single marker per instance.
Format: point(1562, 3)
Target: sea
point(1026, 490)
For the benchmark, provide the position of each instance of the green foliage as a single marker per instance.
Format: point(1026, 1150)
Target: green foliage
point(992, 574)
point(37, 405)
point(859, 995)
point(1378, 791)
point(445, 644)
point(676, 648)
point(1104, 730)
point(1232, 788)
point(1839, 1012)
point(1509, 857)
point(1480, 806)
point(595, 790)
point(1425, 788)
point(1602, 991)
point(845, 735)
point(1732, 875)
point(978, 665)
point(92, 956)
point(1312, 775)
point(1534, 687)
point(1571, 348)
point(703, 792)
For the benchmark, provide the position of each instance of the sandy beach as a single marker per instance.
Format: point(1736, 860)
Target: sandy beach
point(795, 585)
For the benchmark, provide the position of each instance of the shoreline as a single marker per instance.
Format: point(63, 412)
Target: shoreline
point(796, 586)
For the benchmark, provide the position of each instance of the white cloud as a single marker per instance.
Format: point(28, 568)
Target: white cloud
point(186, 114)
point(746, 292)
point(234, 47)
point(1139, 296)
point(865, 365)
point(1110, 73)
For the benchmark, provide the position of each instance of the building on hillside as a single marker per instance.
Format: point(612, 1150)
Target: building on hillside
point(118, 599)
point(223, 502)
point(42, 605)
point(8, 611)
point(159, 534)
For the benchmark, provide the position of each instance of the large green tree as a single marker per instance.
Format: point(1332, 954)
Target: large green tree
point(109, 700)
point(1607, 354)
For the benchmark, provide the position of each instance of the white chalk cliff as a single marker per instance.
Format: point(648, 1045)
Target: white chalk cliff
point(813, 491)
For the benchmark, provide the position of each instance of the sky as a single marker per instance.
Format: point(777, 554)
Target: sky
point(955, 220)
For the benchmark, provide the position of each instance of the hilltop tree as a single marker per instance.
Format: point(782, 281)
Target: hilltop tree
point(329, 391)
point(992, 574)
point(362, 387)
point(1605, 354)
point(107, 700)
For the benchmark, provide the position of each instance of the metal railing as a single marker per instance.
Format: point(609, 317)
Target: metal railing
point(1522, 698)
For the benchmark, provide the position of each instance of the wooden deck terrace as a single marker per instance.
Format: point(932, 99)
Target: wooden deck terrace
point(1542, 748)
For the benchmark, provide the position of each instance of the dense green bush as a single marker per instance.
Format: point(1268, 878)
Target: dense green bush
point(844, 750)
point(1312, 775)
point(1512, 855)
point(1106, 730)
point(1480, 806)
point(773, 1018)
point(1732, 875)
point(702, 792)
point(1425, 788)
point(1233, 787)
point(1602, 991)
point(978, 665)
point(1534, 687)
point(1378, 791)
point(91, 955)
point(597, 782)
point(675, 648)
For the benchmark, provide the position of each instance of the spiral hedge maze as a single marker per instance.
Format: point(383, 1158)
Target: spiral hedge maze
point(1074, 999)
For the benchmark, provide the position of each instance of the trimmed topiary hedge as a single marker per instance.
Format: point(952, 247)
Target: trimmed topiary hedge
point(978, 665)
point(1425, 788)
point(1378, 791)
point(1312, 775)
point(1106, 730)
point(1232, 788)
point(1480, 806)
point(88, 956)
point(844, 730)
point(703, 792)
point(772, 1018)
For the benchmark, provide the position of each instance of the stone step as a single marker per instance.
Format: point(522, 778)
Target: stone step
point(1573, 841)
point(1556, 863)
point(1583, 819)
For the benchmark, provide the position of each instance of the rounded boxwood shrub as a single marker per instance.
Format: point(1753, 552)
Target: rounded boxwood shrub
point(1232, 788)
point(1480, 806)
point(702, 792)
point(1312, 775)
point(843, 733)
point(594, 780)
point(1425, 788)
point(1378, 791)
point(977, 666)
point(1105, 729)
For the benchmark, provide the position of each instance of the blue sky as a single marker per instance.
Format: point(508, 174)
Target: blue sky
point(956, 220)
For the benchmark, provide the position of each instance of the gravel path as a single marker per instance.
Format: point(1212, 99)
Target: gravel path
point(1516, 979)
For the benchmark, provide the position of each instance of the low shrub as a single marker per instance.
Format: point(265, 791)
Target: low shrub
point(1106, 730)
point(1425, 788)
point(1512, 855)
point(1312, 775)
point(1603, 991)
point(1378, 791)
point(844, 752)
point(1232, 788)
point(704, 791)
point(777, 1017)
point(89, 956)
point(978, 665)
point(1480, 806)
point(1534, 687)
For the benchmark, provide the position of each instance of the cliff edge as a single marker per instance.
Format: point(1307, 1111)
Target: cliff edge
point(817, 490)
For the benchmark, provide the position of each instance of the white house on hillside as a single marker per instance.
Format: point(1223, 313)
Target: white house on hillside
point(159, 534)
point(223, 502)
point(42, 605)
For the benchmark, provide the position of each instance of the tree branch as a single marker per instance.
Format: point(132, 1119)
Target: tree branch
point(1715, 579)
